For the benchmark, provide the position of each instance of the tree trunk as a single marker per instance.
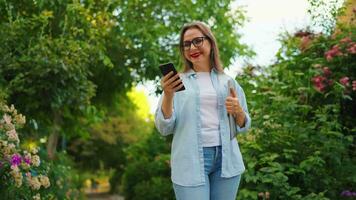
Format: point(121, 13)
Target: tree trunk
point(53, 137)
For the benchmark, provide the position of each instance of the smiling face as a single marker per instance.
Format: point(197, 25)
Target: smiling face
point(200, 54)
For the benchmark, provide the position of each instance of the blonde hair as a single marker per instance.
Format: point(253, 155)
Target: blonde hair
point(214, 53)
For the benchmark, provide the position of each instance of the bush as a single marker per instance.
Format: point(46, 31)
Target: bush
point(22, 174)
point(67, 181)
point(27, 173)
point(302, 144)
point(147, 174)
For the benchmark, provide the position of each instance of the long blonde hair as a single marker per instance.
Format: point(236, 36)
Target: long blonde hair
point(214, 53)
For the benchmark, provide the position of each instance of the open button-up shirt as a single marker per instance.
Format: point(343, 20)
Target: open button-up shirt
point(187, 159)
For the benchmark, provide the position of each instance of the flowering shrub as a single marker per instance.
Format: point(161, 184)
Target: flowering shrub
point(302, 142)
point(341, 51)
point(21, 174)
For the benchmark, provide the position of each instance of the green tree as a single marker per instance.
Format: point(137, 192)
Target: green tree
point(62, 62)
point(45, 66)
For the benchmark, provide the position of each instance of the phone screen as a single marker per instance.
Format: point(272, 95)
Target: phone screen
point(168, 67)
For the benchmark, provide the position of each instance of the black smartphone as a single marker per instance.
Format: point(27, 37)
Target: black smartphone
point(168, 67)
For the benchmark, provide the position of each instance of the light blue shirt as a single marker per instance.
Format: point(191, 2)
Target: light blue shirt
point(187, 159)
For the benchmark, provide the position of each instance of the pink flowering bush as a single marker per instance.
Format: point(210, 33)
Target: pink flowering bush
point(303, 108)
point(338, 66)
point(21, 173)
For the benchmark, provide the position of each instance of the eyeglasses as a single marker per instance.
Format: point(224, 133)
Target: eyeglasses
point(197, 42)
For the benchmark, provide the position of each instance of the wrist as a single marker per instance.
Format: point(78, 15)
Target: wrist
point(238, 113)
point(168, 95)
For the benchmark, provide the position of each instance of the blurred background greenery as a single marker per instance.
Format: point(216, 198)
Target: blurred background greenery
point(71, 68)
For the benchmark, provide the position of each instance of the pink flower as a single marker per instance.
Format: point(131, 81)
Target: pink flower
point(352, 48)
point(326, 71)
point(354, 85)
point(328, 57)
point(15, 160)
point(305, 42)
point(334, 51)
point(27, 160)
point(330, 82)
point(346, 40)
point(319, 83)
point(345, 81)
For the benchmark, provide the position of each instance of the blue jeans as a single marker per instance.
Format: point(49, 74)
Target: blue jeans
point(216, 187)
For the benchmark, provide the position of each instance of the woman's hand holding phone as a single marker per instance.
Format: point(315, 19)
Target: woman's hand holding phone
point(171, 83)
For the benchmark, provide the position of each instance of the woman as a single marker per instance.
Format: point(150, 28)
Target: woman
point(205, 162)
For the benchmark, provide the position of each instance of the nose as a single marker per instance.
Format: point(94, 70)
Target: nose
point(192, 46)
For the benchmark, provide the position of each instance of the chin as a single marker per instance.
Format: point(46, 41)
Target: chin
point(196, 60)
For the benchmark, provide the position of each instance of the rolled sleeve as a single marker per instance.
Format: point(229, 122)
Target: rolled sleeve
point(164, 126)
point(247, 124)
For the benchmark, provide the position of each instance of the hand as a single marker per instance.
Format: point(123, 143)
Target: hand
point(170, 84)
point(232, 104)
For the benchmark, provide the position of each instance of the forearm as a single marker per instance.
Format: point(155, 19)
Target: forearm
point(167, 106)
point(240, 118)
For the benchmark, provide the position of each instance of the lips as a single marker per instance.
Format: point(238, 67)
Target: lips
point(195, 55)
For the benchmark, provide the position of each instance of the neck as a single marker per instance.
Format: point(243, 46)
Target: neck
point(202, 67)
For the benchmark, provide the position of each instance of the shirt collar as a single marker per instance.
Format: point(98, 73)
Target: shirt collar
point(192, 73)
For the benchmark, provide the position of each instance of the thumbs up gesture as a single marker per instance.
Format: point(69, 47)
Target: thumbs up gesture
point(232, 104)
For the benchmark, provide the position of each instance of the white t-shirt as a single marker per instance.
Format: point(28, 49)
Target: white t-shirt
point(209, 110)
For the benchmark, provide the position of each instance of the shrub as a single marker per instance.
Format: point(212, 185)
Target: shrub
point(302, 144)
point(21, 172)
point(27, 173)
point(147, 174)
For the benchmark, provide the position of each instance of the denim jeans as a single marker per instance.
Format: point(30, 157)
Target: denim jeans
point(216, 187)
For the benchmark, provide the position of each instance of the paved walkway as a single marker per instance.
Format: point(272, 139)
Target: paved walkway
point(100, 191)
point(104, 196)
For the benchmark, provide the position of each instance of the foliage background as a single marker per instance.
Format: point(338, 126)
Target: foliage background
point(70, 67)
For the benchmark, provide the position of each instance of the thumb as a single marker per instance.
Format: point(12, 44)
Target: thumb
point(233, 92)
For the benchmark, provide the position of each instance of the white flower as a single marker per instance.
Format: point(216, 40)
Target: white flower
point(35, 183)
point(37, 197)
point(15, 168)
point(12, 136)
point(4, 143)
point(35, 160)
point(16, 174)
point(9, 127)
point(7, 119)
point(12, 108)
point(34, 150)
point(45, 181)
point(11, 146)
point(20, 119)
point(18, 181)
point(6, 151)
